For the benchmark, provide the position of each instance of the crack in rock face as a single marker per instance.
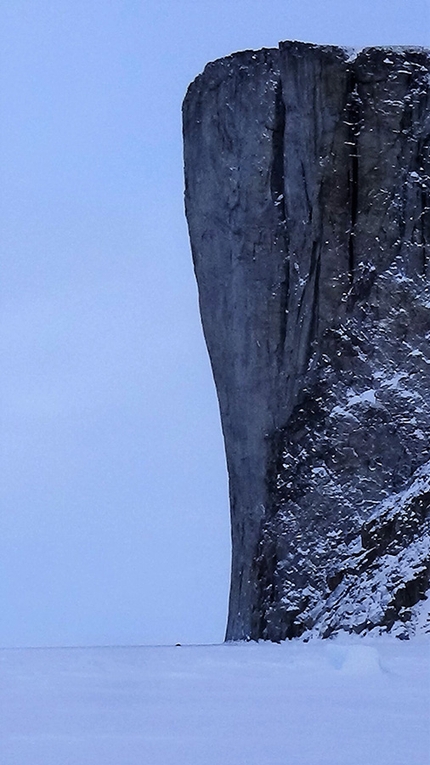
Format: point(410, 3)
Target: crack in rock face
point(307, 197)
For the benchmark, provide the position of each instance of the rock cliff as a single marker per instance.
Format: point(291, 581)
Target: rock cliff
point(307, 174)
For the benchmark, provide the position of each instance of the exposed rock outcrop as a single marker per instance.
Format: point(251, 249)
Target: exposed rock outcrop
point(308, 203)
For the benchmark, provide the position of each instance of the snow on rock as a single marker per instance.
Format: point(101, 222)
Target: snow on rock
point(385, 578)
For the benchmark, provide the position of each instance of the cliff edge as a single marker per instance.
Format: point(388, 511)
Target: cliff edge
point(307, 173)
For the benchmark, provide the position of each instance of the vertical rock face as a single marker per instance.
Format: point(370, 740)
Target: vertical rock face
point(308, 203)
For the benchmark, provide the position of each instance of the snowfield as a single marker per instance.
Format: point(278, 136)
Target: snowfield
point(346, 701)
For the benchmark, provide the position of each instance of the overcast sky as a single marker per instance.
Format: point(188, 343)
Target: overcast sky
point(114, 521)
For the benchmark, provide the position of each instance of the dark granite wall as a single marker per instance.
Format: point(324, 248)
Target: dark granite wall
point(307, 196)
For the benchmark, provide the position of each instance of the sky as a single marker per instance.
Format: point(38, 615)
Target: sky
point(114, 521)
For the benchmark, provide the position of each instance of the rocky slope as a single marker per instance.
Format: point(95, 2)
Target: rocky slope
point(308, 202)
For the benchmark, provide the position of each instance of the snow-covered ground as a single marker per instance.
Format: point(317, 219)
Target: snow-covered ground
point(347, 701)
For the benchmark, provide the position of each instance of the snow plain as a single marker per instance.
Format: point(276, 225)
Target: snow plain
point(346, 701)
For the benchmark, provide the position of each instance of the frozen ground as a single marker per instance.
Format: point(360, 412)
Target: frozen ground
point(348, 701)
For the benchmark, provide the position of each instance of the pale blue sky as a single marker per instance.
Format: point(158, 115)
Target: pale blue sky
point(113, 502)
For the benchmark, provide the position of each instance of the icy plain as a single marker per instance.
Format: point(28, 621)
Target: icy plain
point(346, 701)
